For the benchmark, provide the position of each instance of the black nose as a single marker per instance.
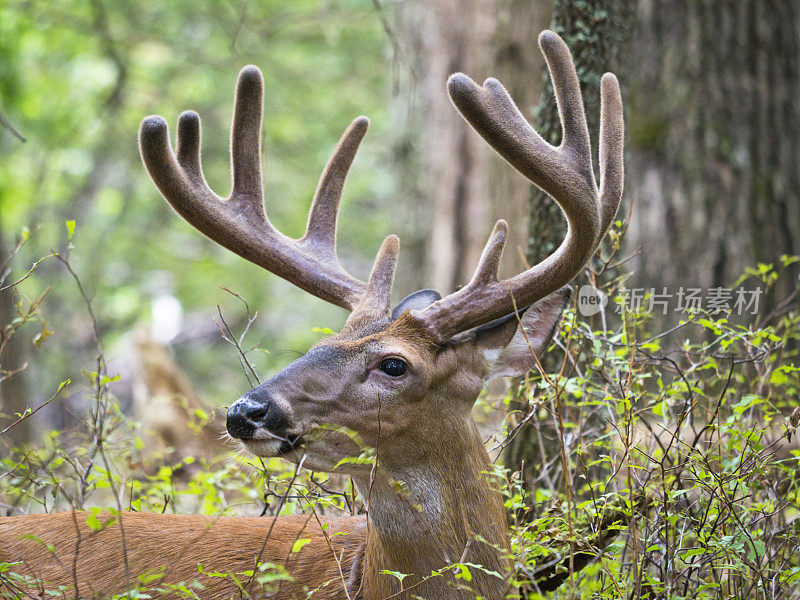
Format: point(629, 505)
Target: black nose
point(256, 410)
point(244, 416)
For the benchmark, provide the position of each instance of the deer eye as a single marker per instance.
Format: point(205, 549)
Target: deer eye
point(393, 367)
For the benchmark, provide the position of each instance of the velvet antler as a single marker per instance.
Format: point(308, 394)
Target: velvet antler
point(239, 222)
point(564, 172)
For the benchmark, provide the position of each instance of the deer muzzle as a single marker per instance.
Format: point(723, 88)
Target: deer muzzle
point(257, 420)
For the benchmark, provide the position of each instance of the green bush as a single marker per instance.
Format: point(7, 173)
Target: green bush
point(673, 475)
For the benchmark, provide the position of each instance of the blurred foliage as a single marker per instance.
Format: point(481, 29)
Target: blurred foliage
point(76, 78)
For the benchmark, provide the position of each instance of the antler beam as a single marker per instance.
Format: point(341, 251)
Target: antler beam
point(564, 172)
point(239, 222)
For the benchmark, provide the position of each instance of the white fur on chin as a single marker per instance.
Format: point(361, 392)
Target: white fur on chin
point(266, 448)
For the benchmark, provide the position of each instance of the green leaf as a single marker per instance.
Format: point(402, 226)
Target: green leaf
point(396, 574)
point(300, 544)
point(482, 568)
point(759, 547)
point(365, 458)
point(93, 522)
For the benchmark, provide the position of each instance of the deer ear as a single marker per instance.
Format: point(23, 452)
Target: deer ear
point(416, 301)
point(529, 336)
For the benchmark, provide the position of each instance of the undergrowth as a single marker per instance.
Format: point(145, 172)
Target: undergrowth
point(667, 457)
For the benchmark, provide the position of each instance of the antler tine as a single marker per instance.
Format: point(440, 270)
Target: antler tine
point(376, 301)
point(188, 148)
point(239, 222)
point(564, 172)
point(575, 132)
point(611, 149)
point(489, 263)
point(493, 114)
point(321, 227)
point(379, 286)
point(246, 138)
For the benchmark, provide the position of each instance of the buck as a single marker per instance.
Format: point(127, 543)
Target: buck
point(401, 381)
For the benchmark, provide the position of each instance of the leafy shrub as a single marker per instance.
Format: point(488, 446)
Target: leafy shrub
point(668, 460)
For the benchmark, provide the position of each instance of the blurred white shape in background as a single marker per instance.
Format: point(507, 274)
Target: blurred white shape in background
point(166, 318)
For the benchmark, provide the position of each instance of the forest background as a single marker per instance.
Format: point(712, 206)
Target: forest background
point(712, 184)
point(713, 128)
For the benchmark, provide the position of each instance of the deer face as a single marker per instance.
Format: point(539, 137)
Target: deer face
point(338, 399)
point(386, 386)
point(349, 392)
point(403, 381)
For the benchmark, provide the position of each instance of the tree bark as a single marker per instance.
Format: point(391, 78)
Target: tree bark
point(712, 136)
point(714, 133)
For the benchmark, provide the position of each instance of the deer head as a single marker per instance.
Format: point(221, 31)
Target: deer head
point(402, 380)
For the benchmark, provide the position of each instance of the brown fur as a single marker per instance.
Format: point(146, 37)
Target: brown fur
point(431, 499)
point(176, 544)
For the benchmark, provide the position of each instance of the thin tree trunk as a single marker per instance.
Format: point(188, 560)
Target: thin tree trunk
point(13, 396)
point(462, 186)
point(596, 33)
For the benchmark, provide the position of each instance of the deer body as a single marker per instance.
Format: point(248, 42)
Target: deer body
point(176, 545)
point(398, 382)
point(400, 538)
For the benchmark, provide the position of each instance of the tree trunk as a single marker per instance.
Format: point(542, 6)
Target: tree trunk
point(13, 397)
point(714, 132)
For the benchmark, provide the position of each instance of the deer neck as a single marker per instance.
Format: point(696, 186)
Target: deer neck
point(432, 512)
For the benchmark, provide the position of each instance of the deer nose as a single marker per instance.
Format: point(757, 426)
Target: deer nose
point(244, 416)
point(256, 410)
